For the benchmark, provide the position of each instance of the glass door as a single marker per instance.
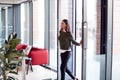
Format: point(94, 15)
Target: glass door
point(90, 61)
point(95, 61)
point(116, 41)
point(97, 40)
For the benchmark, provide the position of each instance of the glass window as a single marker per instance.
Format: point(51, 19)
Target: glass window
point(5, 22)
point(96, 70)
point(10, 21)
point(38, 23)
point(66, 11)
point(45, 30)
point(24, 23)
point(116, 41)
point(53, 34)
point(2, 25)
point(78, 37)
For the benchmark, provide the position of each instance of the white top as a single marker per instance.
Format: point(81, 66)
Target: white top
point(63, 51)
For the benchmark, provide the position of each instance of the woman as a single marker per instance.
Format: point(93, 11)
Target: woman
point(65, 38)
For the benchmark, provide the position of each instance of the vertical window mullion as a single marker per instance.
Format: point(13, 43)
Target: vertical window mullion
point(6, 22)
point(74, 33)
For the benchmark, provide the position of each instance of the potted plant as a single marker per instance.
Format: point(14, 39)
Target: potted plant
point(9, 57)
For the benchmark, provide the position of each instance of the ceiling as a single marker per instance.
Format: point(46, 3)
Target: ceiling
point(13, 1)
point(2, 6)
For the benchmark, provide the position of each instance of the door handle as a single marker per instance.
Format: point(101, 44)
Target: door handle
point(84, 32)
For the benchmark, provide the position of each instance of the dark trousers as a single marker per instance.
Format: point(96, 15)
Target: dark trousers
point(64, 60)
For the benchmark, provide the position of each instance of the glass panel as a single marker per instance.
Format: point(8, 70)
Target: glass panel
point(38, 23)
point(64, 9)
point(116, 41)
point(40, 37)
point(95, 62)
point(53, 34)
point(5, 22)
point(94, 58)
point(2, 25)
point(25, 23)
point(10, 21)
point(66, 12)
point(78, 38)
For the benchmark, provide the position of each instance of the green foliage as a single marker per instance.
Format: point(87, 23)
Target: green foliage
point(13, 72)
point(9, 56)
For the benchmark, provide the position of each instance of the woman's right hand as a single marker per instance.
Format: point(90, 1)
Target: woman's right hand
point(80, 42)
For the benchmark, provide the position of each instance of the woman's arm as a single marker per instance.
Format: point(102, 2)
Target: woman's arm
point(73, 41)
point(76, 43)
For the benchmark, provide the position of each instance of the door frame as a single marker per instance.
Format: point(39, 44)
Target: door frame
point(109, 40)
point(84, 38)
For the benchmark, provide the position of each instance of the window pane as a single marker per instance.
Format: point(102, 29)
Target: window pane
point(94, 61)
point(53, 34)
point(78, 37)
point(10, 27)
point(25, 23)
point(2, 25)
point(5, 22)
point(38, 23)
point(66, 11)
point(116, 41)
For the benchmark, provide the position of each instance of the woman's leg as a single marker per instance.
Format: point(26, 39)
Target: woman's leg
point(69, 73)
point(64, 59)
